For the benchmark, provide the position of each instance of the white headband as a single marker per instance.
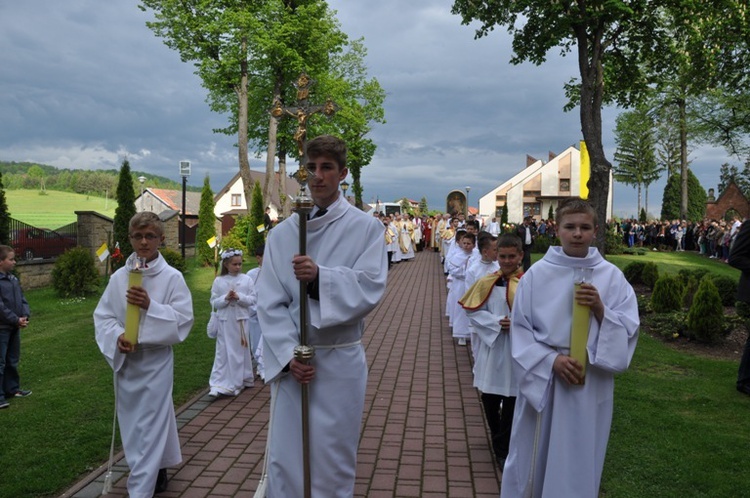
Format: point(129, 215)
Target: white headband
point(229, 253)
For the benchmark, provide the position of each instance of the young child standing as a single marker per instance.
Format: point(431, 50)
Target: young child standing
point(457, 266)
point(562, 419)
point(14, 315)
point(144, 371)
point(488, 304)
point(232, 295)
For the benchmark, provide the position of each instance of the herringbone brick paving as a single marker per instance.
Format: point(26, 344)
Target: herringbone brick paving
point(423, 431)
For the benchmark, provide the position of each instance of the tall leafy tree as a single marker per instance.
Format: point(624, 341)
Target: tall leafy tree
point(635, 155)
point(124, 211)
point(423, 208)
point(206, 224)
point(37, 173)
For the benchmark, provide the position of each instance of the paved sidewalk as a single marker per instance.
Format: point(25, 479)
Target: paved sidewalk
point(423, 431)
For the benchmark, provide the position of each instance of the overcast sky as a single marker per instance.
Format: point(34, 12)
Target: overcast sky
point(84, 83)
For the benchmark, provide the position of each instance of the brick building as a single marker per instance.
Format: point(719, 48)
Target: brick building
point(732, 201)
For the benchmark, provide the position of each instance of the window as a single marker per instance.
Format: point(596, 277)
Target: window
point(532, 209)
point(532, 193)
point(236, 200)
point(564, 185)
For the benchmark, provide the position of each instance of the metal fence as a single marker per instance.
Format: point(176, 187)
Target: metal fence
point(30, 242)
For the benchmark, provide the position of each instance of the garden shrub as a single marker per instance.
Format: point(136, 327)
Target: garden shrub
point(697, 273)
point(173, 258)
point(649, 274)
point(667, 325)
point(727, 287)
point(690, 288)
point(667, 294)
point(633, 272)
point(543, 242)
point(75, 274)
point(706, 316)
point(613, 243)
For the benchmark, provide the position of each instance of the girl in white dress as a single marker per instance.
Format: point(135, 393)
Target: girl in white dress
point(232, 295)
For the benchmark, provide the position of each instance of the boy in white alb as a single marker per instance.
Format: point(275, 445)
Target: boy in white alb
point(561, 424)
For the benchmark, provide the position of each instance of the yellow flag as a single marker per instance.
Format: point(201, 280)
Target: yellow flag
point(585, 170)
point(211, 242)
point(261, 228)
point(102, 252)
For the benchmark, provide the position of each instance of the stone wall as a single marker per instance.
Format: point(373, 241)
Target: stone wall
point(35, 274)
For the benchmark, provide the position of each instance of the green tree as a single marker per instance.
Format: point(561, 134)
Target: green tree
point(423, 208)
point(4, 216)
point(730, 173)
point(37, 173)
point(206, 224)
point(635, 157)
point(257, 210)
point(504, 216)
point(670, 206)
point(123, 213)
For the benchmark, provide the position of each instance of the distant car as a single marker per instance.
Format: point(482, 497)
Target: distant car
point(30, 243)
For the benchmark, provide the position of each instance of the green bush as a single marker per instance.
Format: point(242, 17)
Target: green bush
point(667, 325)
point(74, 274)
point(705, 319)
point(543, 242)
point(697, 273)
point(650, 274)
point(667, 295)
point(690, 289)
point(173, 258)
point(727, 287)
point(613, 243)
point(633, 272)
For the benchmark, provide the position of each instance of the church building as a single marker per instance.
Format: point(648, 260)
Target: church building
point(540, 185)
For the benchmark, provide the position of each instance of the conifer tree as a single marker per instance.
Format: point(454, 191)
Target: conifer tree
point(206, 224)
point(125, 210)
point(254, 237)
point(4, 216)
point(504, 216)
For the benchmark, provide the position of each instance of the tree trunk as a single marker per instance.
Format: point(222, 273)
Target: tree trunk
point(647, 202)
point(287, 205)
point(247, 180)
point(639, 202)
point(683, 160)
point(356, 172)
point(273, 128)
point(592, 88)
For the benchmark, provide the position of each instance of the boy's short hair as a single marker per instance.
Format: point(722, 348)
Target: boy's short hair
point(469, 235)
point(260, 250)
point(473, 223)
point(575, 205)
point(4, 251)
point(327, 145)
point(485, 240)
point(510, 240)
point(146, 219)
point(460, 234)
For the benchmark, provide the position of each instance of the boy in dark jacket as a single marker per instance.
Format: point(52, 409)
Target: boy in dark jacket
point(14, 315)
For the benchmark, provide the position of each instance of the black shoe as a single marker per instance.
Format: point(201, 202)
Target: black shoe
point(743, 388)
point(161, 481)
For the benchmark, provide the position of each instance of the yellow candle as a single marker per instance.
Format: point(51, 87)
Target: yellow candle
point(579, 332)
point(133, 312)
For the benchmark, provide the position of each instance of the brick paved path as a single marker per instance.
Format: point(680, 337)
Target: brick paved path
point(423, 432)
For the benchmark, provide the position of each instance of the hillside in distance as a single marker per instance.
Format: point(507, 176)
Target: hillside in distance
point(53, 209)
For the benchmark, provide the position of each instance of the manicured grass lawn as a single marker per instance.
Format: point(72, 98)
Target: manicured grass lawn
point(54, 209)
point(679, 430)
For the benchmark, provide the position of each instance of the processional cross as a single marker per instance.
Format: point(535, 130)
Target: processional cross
point(303, 205)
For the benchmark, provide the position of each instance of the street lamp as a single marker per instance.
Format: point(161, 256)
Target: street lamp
point(184, 173)
point(142, 179)
point(468, 189)
point(344, 187)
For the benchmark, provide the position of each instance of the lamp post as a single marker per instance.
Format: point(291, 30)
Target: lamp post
point(468, 189)
point(142, 179)
point(344, 188)
point(184, 173)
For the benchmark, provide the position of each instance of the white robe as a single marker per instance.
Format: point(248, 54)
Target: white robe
point(475, 271)
point(406, 240)
point(255, 333)
point(393, 246)
point(233, 364)
point(145, 410)
point(493, 364)
point(571, 423)
point(347, 246)
point(457, 266)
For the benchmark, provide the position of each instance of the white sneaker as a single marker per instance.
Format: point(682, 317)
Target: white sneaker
point(462, 341)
